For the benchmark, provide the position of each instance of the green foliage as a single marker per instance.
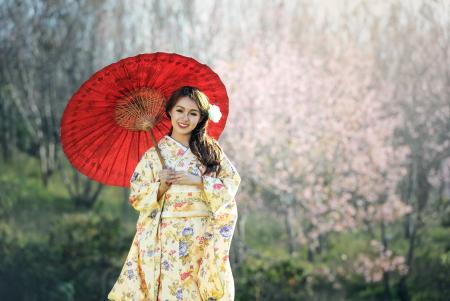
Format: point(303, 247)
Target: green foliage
point(282, 279)
point(357, 289)
point(29, 270)
point(22, 187)
point(49, 250)
point(430, 278)
point(269, 233)
point(78, 259)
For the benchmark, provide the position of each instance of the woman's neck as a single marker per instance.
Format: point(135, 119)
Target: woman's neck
point(183, 139)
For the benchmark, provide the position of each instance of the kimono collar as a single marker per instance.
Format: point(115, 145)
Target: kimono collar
point(177, 143)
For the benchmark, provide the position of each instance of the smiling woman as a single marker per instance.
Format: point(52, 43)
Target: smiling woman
point(185, 116)
point(186, 255)
point(188, 109)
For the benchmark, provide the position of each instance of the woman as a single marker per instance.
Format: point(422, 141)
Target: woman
point(181, 251)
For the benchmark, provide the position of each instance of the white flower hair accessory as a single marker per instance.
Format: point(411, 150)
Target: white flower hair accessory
point(214, 113)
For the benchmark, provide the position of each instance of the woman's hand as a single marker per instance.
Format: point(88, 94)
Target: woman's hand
point(166, 176)
point(185, 178)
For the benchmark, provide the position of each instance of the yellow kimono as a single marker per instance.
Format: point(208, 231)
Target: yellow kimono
point(181, 251)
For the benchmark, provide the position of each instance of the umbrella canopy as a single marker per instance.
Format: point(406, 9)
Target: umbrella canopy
point(101, 127)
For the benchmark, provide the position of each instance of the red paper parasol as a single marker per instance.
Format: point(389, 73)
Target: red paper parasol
point(102, 130)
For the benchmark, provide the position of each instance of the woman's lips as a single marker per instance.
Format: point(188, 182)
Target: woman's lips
point(183, 126)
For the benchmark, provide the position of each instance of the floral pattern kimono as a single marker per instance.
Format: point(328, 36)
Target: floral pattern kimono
point(180, 251)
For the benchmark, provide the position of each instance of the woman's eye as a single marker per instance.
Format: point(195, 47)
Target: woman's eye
point(194, 114)
point(179, 111)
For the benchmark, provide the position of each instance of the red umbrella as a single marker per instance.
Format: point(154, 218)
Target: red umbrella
point(106, 125)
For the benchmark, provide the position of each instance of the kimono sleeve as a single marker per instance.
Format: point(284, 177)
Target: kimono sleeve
point(221, 190)
point(144, 184)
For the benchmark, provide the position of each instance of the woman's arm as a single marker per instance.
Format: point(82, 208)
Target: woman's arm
point(221, 190)
point(144, 186)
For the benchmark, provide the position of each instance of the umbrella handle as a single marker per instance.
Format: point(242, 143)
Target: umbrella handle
point(161, 159)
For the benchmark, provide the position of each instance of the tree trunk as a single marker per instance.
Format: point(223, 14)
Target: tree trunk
point(387, 289)
point(239, 242)
point(289, 229)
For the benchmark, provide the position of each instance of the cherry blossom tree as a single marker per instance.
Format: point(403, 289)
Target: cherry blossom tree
point(312, 138)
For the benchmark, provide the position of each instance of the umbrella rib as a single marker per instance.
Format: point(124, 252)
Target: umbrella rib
point(93, 138)
point(117, 153)
point(93, 130)
point(115, 159)
point(91, 116)
point(129, 151)
point(158, 72)
point(138, 71)
point(111, 139)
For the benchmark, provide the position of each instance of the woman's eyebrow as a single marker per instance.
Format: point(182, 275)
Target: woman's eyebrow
point(183, 108)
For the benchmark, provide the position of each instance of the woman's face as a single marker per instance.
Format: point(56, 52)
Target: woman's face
point(184, 116)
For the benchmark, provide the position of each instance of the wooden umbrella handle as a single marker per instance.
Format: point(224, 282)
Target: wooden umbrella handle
point(161, 159)
point(158, 151)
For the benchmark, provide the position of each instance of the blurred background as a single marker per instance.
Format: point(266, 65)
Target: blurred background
point(339, 126)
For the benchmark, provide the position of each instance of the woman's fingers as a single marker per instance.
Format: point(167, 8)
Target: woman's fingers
point(165, 173)
point(170, 176)
point(177, 178)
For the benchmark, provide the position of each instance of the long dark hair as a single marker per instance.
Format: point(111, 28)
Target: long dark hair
point(204, 147)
